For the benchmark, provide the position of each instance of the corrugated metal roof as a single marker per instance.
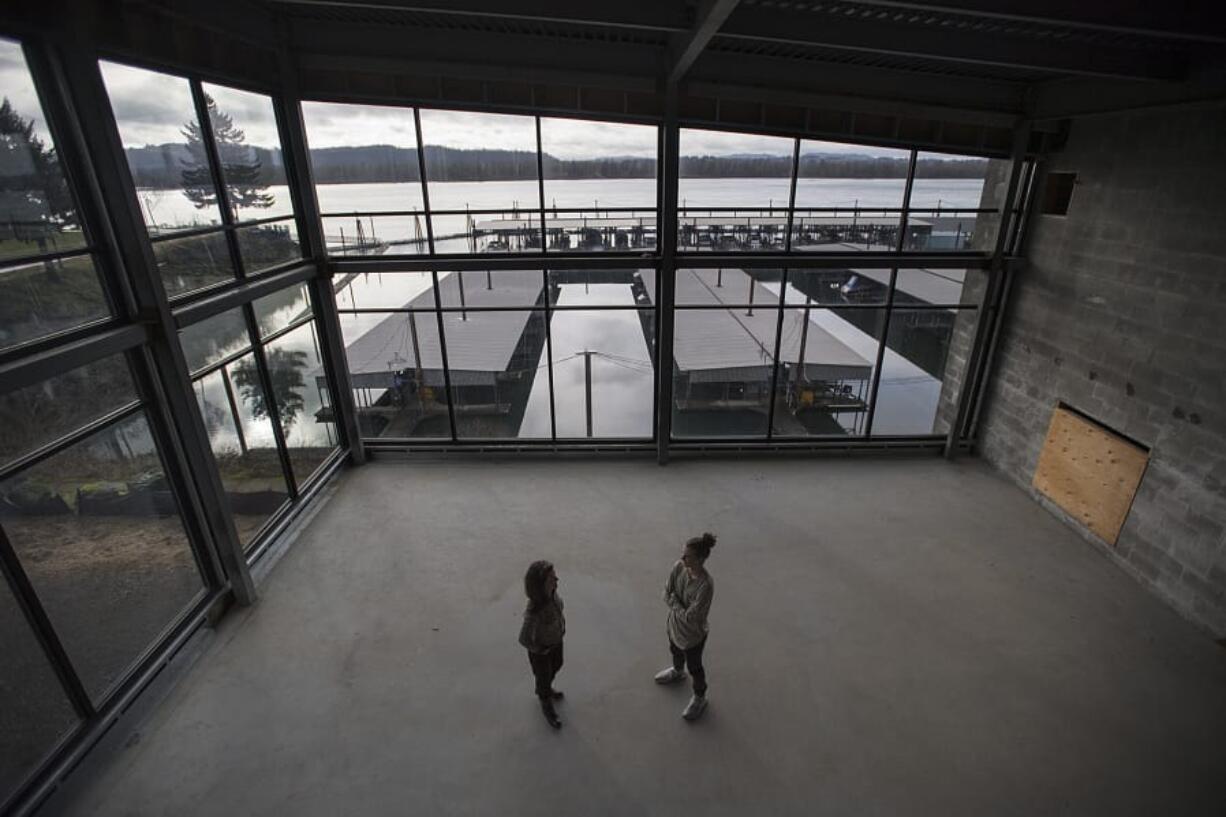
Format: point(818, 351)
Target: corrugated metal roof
point(737, 342)
point(479, 344)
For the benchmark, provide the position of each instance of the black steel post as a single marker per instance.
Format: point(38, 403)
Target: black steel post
point(540, 183)
point(175, 404)
point(666, 241)
point(587, 384)
point(438, 301)
point(311, 236)
point(889, 298)
point(988, 312)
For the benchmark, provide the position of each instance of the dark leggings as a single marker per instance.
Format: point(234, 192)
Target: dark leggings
point(545, 666)
point(693, 659)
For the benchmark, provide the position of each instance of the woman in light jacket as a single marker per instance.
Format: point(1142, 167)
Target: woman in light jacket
point(688, 594)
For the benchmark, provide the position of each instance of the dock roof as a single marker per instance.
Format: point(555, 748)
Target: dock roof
point(479, 344)
point(735, 341)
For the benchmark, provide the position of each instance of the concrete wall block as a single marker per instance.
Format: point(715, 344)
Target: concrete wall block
point(1131, 286)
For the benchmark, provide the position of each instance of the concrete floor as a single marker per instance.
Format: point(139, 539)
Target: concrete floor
point(888, 637)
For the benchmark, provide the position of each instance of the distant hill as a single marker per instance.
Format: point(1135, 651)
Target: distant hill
point(161, 166)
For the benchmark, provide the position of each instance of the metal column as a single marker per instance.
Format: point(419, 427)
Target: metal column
point(311, 236)
point(666, 241)
point(988, 311)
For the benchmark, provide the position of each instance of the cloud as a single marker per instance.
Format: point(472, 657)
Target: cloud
point(17, 86)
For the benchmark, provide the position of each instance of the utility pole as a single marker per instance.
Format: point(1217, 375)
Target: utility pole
point(587, 386)
point(751, 282)
point(417, 373)
point(804, 336)
point(459, 274)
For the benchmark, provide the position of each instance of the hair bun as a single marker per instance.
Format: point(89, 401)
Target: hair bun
point(708, 540)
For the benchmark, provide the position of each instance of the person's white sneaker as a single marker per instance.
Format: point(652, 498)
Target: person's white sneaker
point(670, 676)
point(695, 708)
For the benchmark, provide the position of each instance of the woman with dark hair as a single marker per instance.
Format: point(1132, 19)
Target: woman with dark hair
point(541, 634)
point(688, 595)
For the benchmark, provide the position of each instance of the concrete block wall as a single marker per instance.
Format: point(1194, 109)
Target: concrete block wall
point(974, 289)
point(1121, 313)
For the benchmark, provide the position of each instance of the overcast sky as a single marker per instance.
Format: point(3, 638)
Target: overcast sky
point(152, 108)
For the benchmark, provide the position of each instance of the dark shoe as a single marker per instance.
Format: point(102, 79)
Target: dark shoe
point(556, 694)
point(550, 715)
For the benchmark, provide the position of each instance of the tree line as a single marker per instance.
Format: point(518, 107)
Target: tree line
point(161, 166)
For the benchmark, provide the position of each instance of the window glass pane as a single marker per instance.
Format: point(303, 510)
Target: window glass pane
point(304, 407)
point(214, 338)
point(477, 288)
point(268, 245)
point(396, 367)
point(162, 143)
point(364, 160)
point(37, 713)
point(484, 166)
point(723, 361)
point(37, 214)
point(358, 234)
point(392, 290)
point(240, 432)
point(514, 230)
point(98, 531)
point(838, 286)
point(826, 370)
point(188, 264)
point(603, 370)
point(591, 167)
point(944, 287)
point(848, 197)
point(728, 286)
point(913, 370)
point(40, 414)
point(280, 309)
point(45, 297)
point(245, 129)
point(499, 377)
point(601, 287)
point(733, 191)
point(948, 190)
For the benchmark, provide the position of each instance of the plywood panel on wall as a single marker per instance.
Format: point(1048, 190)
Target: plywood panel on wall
point(1090, 472)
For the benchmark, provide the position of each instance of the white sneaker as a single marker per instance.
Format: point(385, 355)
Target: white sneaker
point(670, 676)
point(695, 708)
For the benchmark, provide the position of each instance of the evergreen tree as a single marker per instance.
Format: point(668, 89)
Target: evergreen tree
point(285, 369)
point(32, 186)
point(240, 165)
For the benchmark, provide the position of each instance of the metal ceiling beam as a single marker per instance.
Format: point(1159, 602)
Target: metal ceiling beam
point(878, 36)
point(652, 15)
point(1199, 22)
point(686, 47)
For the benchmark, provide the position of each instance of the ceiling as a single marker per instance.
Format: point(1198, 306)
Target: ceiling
point(1039, 59)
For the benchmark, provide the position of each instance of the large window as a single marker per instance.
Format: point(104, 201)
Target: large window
point(481, 366)
point(49, 279)
point(93, 529)
point(489, 179)
point(600, 185)
point(733, 191)
point(204, 236)
point(859, 351)
point(266, 406)
point(369, 189)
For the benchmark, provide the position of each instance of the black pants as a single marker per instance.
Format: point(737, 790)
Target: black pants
point(545, 666)
point(693, 659)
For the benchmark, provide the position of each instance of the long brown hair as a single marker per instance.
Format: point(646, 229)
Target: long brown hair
point(534, 584)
